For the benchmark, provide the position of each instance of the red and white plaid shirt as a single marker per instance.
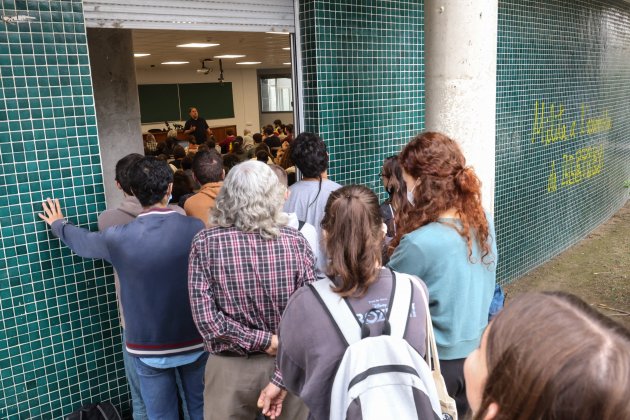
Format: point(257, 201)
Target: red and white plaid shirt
point(240, 283)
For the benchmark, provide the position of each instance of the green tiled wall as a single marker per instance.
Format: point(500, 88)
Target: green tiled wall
point(363, 74)
point(559, 173)
point(59, 329)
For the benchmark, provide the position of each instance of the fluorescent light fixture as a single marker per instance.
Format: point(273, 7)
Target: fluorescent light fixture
point(287, 48)
point(140, 54)
point(278, 32)
point(229, 56)
point(288, 64)
point(198, 45)
point(249, 62)
point(175, 62)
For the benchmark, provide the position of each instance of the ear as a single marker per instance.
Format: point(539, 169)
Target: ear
point(492, 412)
point(169, 190)
point(223, 174)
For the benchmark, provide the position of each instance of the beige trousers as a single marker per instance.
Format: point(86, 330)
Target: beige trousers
point(232, 387)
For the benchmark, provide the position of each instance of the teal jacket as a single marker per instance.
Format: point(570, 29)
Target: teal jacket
point(460, 291)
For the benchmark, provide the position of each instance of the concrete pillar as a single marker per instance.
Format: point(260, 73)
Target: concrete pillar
point(116, 101)
point(460, 80)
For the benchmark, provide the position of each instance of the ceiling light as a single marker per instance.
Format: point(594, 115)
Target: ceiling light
point(175, 62)
point(140, 54)
point(229, 56)
point(249, 62)
point(278, 32)
point(198, 45)
point(287, 48)
point(288, 64)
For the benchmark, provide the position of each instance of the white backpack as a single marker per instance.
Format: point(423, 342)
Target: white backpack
point(379, 377)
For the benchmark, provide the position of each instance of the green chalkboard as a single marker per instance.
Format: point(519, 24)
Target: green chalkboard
point(159, 103)
point(170, 102)
point(212, 100)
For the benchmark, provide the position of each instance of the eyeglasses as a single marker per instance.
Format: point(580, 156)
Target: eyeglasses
point(382, 175)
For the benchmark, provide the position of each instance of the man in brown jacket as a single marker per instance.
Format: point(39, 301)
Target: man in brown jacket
point(208, 171)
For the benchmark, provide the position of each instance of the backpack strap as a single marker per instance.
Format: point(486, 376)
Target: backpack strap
point(337, 309)
point(399, 305)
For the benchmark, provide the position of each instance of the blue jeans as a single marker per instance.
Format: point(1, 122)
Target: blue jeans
point(159, 389)
point(137, 404)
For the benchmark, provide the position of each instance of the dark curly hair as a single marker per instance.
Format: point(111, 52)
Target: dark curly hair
point(149, 180)
point(122, 171)
point(308, 152)
point(443, 182)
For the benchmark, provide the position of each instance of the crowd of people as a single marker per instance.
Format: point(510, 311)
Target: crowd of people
point(220, 312)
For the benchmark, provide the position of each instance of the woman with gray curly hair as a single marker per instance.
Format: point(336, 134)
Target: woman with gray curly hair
point(241, 273)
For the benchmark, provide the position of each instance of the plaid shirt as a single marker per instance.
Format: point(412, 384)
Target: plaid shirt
point(240, 283)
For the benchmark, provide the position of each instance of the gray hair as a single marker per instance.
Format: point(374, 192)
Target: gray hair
point(251, 199)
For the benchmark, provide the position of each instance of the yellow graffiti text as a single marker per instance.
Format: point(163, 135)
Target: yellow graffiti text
point(550, 126)
point(585, 163)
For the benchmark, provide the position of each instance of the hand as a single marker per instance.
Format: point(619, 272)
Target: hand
point(271, 399)
point(52, 211)
point(273, 347)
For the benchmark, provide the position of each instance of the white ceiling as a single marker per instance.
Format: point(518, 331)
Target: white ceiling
point(162, 45)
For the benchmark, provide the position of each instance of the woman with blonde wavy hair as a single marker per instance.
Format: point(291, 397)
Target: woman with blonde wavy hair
point(445, 238)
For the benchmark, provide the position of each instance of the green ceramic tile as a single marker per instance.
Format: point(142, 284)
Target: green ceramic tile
point(363, 75)
point(48, 298)
point(556, 179)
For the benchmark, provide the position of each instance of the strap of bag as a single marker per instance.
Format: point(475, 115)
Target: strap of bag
point(431, 353)
point(342, 315)
point(338, 310)
point(399, 305)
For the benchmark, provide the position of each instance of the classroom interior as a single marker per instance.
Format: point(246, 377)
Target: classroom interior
point(238, 80)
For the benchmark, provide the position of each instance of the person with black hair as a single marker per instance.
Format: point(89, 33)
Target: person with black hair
point(238, 151)
point(179, 153)
point(226, 144)
point(308, 197)
point(208, 171)
point(197, 126)
point(272, 140)
point(160, 332)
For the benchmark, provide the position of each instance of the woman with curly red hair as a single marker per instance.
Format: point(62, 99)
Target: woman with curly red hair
point(447, 239)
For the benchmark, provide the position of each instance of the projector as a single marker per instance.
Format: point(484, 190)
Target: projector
point(204, 69)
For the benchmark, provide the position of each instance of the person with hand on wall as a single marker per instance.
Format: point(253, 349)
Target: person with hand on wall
point(447, 239)
point(550, 355)
point(197, 126)
point(126, 212)
point(160, 333)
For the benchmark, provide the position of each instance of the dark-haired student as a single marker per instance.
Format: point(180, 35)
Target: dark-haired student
point(160, 333)
point(308, 197)
point(208, 171)
point(128, 209)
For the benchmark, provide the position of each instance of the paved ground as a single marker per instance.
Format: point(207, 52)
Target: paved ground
point(597, 269)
